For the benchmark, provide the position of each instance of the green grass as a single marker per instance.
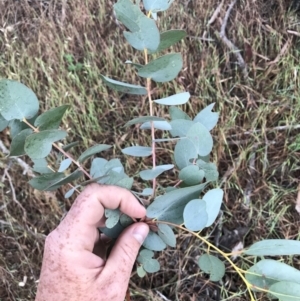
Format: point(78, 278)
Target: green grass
point(33, 49)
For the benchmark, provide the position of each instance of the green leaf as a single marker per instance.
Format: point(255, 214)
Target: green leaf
point(184, 151)
point(274, 247)
point(44, 181)
point(137, 66)
point(123, 87)
point(154, 242)
point(144, 33)
point(191, 175)
point(18, 142)
point(125, 220)
point(39, 145)
point(112, 217)
point(92, 151)
point(162, 69)
point(16, 126)
point(66, 180)
point(166, 233)
point(180, 127)
point(157, 5)
point(51, 119)
point(113, 232)
point(169, 207)
point(201, 139)
point(64, 164)
point(213, 199)
point(147, 192)
point(210, 170)
point(208, 118)
point(97, 167)
point(150, 174)
point(137, 151)
point(285, 291)
point(69, 193)
point(143, 119)
point(177, 99)
point(3, 123)
point(177, 113)
point(41, 166)
point(17, 101)
point(125, 183)
point(149, 264)
point(160, 125)
point(268, 271)
point(195, 215)
point(70, 145)
point(169, 38)
point(140, 271)
point(213, 266)
point(166, 139)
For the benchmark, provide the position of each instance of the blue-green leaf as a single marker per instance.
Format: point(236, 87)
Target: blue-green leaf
point(160, 125)
point(3, 123)
point(213, 199)
point(208, 118)
point(69, 193)
point(39, 145)
point(64, 164)
point(274, 247)
point(92, 151)
point(140, 271)
point(18, 143)
point(97, 167)
point(285, 291)
point(166, 233)
point(149, 264)
point(180, 127)
point(143, 119)
point(210, 170)
point(195, 215)
point(123, 87)
point(137, 151)
point(191, 175)
point(66, 180)
point(268, 271)
point(213, 266)
point(177, 99)
point(17, 101)
point(51, 119)
point(184, 151)
point(70, 145)
point(112, 217)
point(44, 181)
point(177, 113)
point(169, 207)
point(162, 69)
point(41, 166)
point(154, 242)
point(157, 5)
point(150, 174)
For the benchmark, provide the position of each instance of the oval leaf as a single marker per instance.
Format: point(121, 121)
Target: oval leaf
point(191, 175)
point(67, 179)
point(17, 101)
point(163, 69)
point(213, 266)
point(137, 151)
point(92, 151)
point(46, 180)
point(213, 199)
point(18, 143)
point(154, 242)
point(157, 5)
point(285, 291)
point(112, 217)
point(183, 153)
point(51, 119)
point(38, 145)
point(195, 215)
point(177, 99)
point(123, 87)
point(166, 233)
point(180, 127)
point(3, 123)
point(64, 164)
point(274, 247)
point(177, 113)
point(208, 118)
point(150, 174)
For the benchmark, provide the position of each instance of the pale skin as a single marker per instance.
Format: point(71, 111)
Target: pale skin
point(71, 270)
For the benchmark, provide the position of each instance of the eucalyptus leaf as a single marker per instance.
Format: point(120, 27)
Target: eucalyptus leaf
point(123, 87)
point(285, 291)
point(44, 181)
point(160, 125)
point(274, 247)
point(213, 199)
point(64, 164)
point(92, 151)
point(210, 170)
point(162, 69)
point(125, 220)
point(66, 180)
point(169, 207)
point(166, 233)
point(157, 5)
point(17, 101)
point(177, 113)
point(177, 99)
point(143, 119)
point(70, 145)
point(18, 143)
point(195, 215)
point(180, 127)
point(154, 242)
point(141, 272)
point(149, 264)
point(191, 175)
point(150, 174)
point(183, 153)
point(39, 145)
point(137, 151)
point(113, 232)
point(97, 167)
point(213, 266)
point(51, 119)
point(69, 193)
point(41, 166)
point(3, 123)
point(112, 217)
point(208, 118)
point(126, 183)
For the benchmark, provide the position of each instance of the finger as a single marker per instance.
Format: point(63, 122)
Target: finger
point(123, 255)
point(80, 224)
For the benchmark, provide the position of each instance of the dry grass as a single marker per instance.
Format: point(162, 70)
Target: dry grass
point(257, 160)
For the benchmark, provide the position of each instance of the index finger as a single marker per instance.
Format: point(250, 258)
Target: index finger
point(81, 222)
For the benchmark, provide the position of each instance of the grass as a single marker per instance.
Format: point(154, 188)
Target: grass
point(255, 156)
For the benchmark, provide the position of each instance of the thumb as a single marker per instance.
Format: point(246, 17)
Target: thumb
point(124, 252)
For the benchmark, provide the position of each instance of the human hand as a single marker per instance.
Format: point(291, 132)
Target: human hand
point(70, 269)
